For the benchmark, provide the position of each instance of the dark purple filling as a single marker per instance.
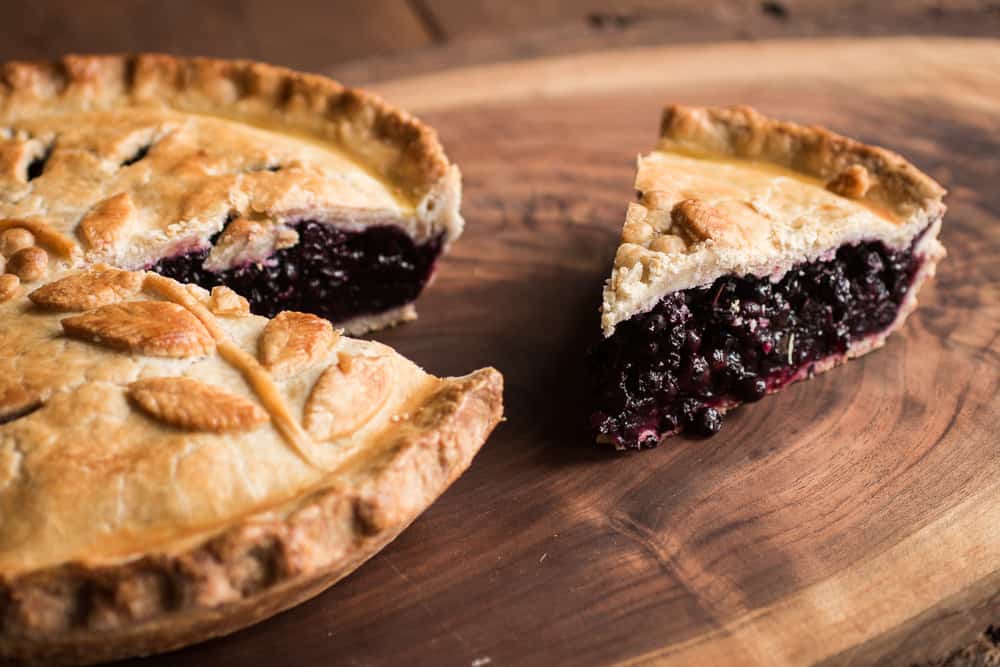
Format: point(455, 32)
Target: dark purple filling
point(335, 273)
point(697, 350)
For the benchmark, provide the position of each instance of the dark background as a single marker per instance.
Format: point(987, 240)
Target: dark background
point(375, 39)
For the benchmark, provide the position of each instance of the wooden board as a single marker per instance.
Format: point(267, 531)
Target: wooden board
point(850, 520)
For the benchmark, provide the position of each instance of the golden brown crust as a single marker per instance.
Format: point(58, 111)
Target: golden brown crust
point(9, 284)
point(154, 328)
point(158, 578)
point(180, 492)
point(138, 158)
point(77, 614)
point(730, 191)
point(239, 89)
point(293, 341)
point(742, 132)
point(195, 406)
point(100, 286)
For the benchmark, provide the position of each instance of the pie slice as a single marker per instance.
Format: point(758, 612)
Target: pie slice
point(759, 253)
point(290, 189)
point(172, 466)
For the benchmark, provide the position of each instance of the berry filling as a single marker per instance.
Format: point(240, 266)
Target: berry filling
point(335, 273)
point(704, 349)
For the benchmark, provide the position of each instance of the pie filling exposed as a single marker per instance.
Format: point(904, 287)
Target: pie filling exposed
point(333, 272)
point(672, 368)
point(757, 253)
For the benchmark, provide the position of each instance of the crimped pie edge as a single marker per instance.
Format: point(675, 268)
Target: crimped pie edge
point(642, 275)
point(80, 614)
point(256, 93)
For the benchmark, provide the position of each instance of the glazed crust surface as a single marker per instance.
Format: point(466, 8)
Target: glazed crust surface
point(126, 508)
point(137, 157)
point(730, 191)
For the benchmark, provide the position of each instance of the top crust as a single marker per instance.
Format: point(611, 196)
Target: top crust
point(184, 102)
point(730, 191)
point(742, 132)
point(171, 466)
point(161, 481)
point(391, 141)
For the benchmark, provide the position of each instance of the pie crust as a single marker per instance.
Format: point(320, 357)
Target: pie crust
point(129, 160)
point(173, 467)
point(663, 251)
point(168, 474)
point(730, 195)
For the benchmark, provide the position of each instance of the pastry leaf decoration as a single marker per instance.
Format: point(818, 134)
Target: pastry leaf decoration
point(192, 405)
point(154, 328)
point(346, 396)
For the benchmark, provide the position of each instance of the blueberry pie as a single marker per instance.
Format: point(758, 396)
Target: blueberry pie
point(173, 466)
point(759, 253)
point(290, 189)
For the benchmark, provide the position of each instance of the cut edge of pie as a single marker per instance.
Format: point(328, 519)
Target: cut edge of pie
point(746, 232)
point(275, 174)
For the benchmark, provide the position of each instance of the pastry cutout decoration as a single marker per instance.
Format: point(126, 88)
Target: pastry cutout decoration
point(155, 328)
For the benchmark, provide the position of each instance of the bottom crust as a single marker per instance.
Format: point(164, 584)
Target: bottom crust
point(81, 615)
point(363, 324)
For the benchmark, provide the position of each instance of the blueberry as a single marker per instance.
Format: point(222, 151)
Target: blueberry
point(669, 423)
point(717, 359)
point(657, 323)
point(762, 290)
point(708, 422)
point(751, 309)
point(677, 337)
point(697, 366)
point(690, 410)
point(753, 388)
point(734, 369)
point(873, 262)
point(679, 314)
point(692, 341)
point(648, 440)
point(711, 347)
point(650, 381)
point(332, 272)
point(674, 360)
point(668, 389)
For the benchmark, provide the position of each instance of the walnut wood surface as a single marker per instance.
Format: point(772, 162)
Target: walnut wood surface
point(364, 40)
point(304, 34)
point(850, 520)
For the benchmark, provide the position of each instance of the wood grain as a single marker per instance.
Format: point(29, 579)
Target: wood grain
point(296, 33)
point(474, 33)
point(362, 41)
point(850, 520)
point(693, 20)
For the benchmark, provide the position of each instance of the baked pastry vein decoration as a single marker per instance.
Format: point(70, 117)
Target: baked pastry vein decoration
point(134, 421)
point(758, 253)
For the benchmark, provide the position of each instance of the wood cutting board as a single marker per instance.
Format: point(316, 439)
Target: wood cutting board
point(851, 520)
